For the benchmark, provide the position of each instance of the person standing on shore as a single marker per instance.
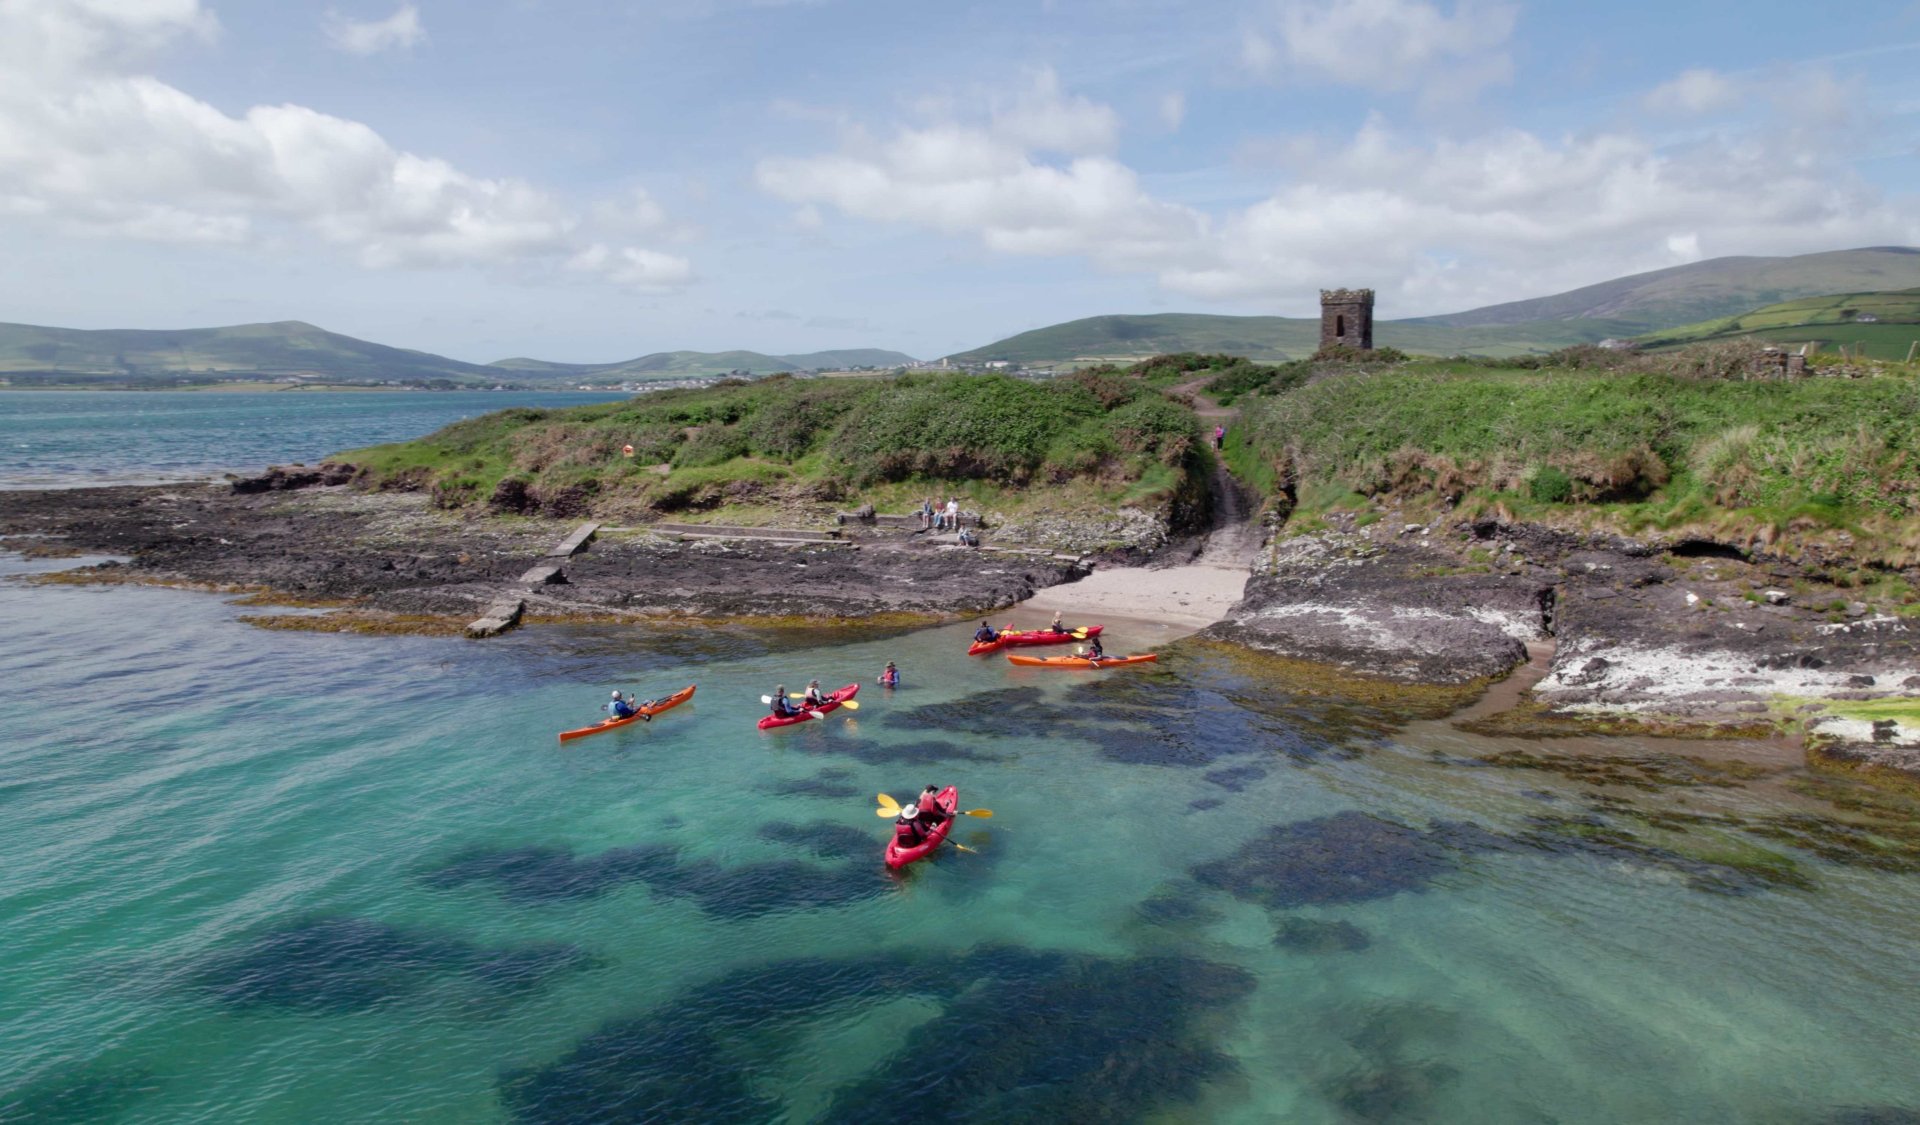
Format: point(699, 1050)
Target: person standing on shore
point(1219, 437)
point(953, 514)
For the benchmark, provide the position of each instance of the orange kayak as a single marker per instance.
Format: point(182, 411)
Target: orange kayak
point(674, 700)
point(1080, 661)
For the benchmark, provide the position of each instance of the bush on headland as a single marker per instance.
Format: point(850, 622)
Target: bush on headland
point(1636, 441)
point(825, 439)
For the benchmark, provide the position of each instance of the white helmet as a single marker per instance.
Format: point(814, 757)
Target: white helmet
point(616, 693)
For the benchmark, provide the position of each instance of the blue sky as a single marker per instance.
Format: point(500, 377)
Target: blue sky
point(590, 181)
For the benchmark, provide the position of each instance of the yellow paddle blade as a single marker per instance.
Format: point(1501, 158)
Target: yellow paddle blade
point(888, 806)
point(850, 704)
point(1078, 634)
point(886, 812)
point(976, 812)
point(965, 848)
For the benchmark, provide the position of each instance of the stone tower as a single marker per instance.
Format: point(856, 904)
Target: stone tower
point(1346, 318)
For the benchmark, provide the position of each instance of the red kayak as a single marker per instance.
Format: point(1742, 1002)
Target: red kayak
point(654, 708)
point(949, 801)
point(1081, 661)
point(1014, 638)
point(834, 699)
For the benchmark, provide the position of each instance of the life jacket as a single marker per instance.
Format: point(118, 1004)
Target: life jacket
point(890, 677)
point(619, 709)
point(983, 634)
point(781, 707)
point(908, 834)
point(816, 699)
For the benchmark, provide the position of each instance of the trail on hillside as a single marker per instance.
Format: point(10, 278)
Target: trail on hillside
point(1234, 539)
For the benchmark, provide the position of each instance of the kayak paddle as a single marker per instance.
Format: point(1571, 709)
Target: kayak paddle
point(849, 704)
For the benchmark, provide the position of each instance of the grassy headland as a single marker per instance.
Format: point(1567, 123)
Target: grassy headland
point(758, 448)
point(1676, 444)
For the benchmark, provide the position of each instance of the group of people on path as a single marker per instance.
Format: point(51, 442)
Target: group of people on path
point(918, 820)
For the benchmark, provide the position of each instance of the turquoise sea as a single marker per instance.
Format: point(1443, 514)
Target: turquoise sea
point(267, 877)
point(53, 439)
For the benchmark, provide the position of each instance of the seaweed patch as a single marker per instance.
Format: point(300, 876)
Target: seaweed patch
point(333, 965)
point(1347, 857)
point(1304, 935)
point(1124, 1040)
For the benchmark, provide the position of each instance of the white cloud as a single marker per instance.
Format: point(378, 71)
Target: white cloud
point(1694, 92)
point(1173, 109)
point(1388, 45)
point(400, 31)
point(990, 179)
point(90, 144)
point(1435, 225)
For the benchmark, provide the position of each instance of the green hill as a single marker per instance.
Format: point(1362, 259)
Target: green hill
point(1270, 339)
point(283, 348)
point(685, 364)
point(34, 354)
point(1703, 290)
point(1628, 306)
point(1882, 325)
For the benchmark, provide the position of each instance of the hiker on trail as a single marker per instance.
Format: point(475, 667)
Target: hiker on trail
point(1219, 437)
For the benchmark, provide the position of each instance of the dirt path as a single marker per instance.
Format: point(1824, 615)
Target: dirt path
point(1184, 598)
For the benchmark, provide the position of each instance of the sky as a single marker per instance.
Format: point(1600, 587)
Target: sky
point(589, 181)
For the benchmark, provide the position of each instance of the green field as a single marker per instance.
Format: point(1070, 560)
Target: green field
point(1881, 325)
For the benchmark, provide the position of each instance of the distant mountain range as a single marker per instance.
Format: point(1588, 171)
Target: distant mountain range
point(1687, 301)
point(293, 348)
point(1627, 307)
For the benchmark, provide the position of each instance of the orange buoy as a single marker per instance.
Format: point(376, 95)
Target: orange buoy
point(626, 451)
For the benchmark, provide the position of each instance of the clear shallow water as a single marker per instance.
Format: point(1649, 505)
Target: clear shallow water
point(268, 877)
point(54, 439)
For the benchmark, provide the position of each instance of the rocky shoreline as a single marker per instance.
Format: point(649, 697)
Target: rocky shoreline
point(1682, 636)
point(1679, 637)
point(383, 555)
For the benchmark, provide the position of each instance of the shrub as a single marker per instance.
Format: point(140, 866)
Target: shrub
point(1550, 486)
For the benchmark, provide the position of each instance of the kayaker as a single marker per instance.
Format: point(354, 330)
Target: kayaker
point(815, 698)
point(1056, 627)
point(907, 832)
point(985, 634)
point(890, 677)
point(781, 708)
point(931, 814)
point(619, 708)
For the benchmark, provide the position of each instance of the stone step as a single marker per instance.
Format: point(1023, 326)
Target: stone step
point(575, 543)
point(549, 575)
point(501, 616)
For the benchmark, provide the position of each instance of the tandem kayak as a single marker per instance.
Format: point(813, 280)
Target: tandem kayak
point(949, 801)
point(1014, 638)
point(834, 699)
point(1080, 661)
point(659, 705)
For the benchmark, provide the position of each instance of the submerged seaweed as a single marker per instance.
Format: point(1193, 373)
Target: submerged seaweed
point(831, 784)
point(1120, 1041)
point(1347, 857)
point(78, 1094)
point(349, 964)
point(746, 890)
point(1304, 935)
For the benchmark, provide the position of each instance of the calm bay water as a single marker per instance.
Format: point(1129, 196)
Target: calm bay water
point(277, 877)
point(53, 439)
point(267, 877)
